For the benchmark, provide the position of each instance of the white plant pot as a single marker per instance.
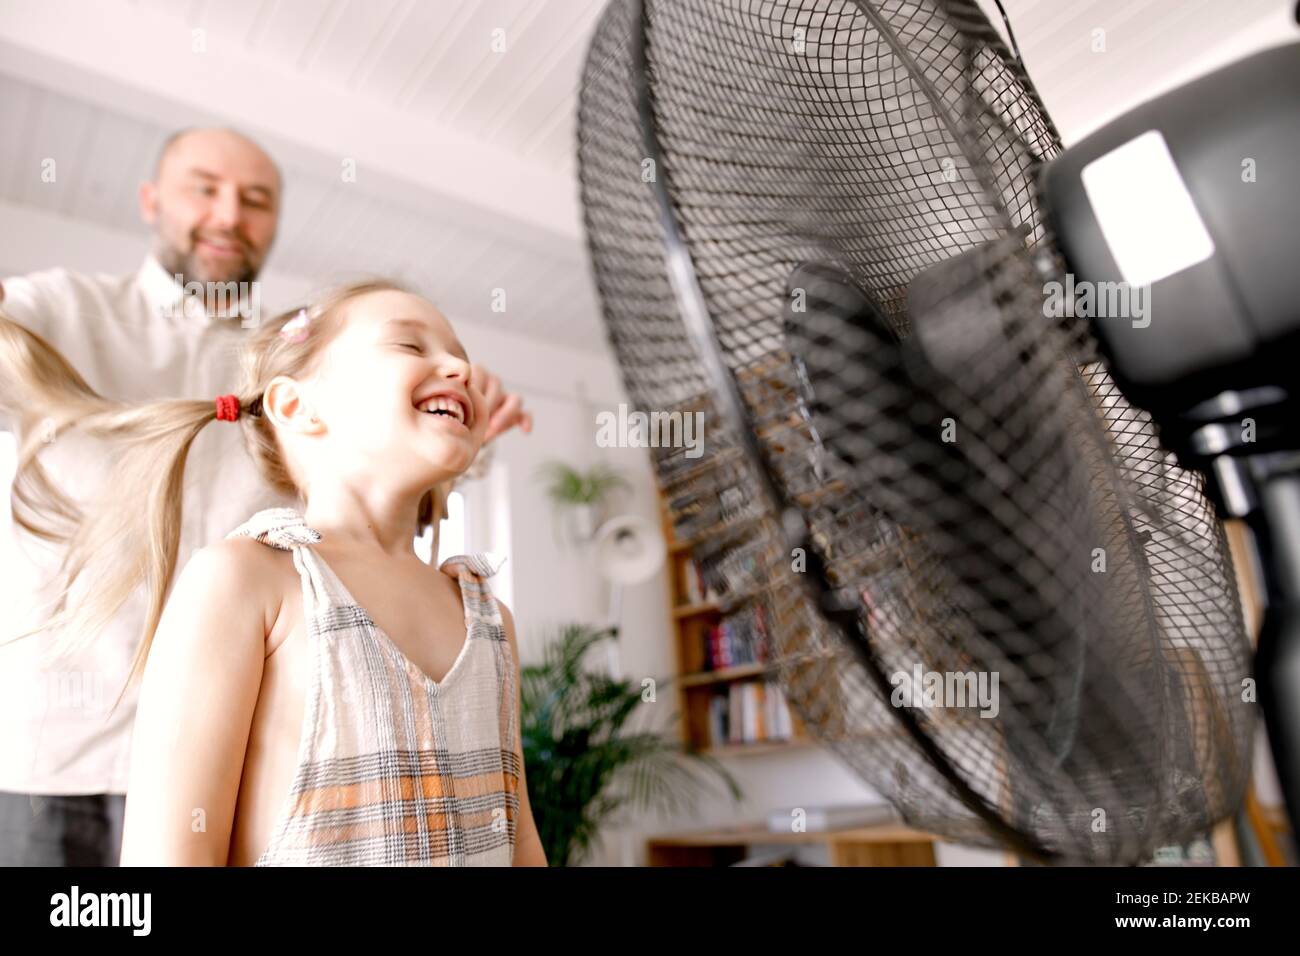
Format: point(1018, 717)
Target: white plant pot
point(583, 521)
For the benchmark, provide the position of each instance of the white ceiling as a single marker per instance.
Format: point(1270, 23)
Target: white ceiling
point(465, 169)
point(465, 155)
point(1146, 48)
point(432, 60)
point(329, 229)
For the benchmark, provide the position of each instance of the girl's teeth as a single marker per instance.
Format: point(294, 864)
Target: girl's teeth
point(447, 405)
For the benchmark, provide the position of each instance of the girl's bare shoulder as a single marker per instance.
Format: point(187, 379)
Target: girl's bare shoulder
point(243, 561)
point(243, 572)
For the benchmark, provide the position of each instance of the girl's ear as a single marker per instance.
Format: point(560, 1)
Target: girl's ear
point(286, 405)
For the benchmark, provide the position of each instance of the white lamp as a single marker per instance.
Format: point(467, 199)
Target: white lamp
point(629, 550)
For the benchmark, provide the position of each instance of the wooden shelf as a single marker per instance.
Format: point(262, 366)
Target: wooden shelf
point(761, 747)
point(692, 610)
point(701, 678)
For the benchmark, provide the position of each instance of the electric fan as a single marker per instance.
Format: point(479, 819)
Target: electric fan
point(990, 589)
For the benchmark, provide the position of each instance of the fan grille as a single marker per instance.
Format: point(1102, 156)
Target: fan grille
point(974, 481)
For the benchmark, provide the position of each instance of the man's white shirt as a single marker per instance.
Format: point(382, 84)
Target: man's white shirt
point(133, 338)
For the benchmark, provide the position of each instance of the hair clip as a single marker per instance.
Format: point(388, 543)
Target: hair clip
point(296, 329)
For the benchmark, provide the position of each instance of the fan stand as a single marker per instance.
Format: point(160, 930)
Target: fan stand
point(1264, 489)
point(613, 657)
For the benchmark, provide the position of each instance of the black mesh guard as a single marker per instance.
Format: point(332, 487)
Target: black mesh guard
point(855, 184)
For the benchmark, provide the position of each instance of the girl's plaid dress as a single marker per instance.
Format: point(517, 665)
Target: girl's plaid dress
point(394, 768)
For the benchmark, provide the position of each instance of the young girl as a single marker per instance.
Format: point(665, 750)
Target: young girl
point(313, 693)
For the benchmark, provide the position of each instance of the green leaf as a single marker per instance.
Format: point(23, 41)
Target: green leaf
point(586, 765)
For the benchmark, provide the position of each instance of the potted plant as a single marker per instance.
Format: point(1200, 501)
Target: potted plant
point(580, 494)
point(584, 766)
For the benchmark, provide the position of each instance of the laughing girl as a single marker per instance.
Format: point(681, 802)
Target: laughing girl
point(313, 693)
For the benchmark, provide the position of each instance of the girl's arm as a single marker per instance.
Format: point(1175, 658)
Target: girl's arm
point(199, 690)
point(528, 844)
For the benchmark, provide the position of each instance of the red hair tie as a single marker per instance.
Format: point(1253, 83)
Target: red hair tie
point(227, 408)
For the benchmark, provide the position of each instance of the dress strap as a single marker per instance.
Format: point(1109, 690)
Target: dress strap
point(285, 529)
point(483, 563)
point(281, 528)
point(472, 571)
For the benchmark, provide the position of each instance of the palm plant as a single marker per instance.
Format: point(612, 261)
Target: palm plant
point(583, 769)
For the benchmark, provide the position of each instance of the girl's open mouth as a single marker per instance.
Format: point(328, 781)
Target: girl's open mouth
point(449, 421)
point(446, 407)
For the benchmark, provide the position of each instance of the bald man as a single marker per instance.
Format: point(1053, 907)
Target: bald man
point(213, 205)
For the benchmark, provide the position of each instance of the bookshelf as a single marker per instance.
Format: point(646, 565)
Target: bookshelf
point(727, 695)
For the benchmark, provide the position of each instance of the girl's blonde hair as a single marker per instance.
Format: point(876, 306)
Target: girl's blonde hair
point(118, 543)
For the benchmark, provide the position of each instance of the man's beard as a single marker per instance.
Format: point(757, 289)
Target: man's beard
point(188, 267)
point(222, 296)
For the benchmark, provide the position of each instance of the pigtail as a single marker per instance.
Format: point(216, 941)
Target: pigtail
point(131, 535)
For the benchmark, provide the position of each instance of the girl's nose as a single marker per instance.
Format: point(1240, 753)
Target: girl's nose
point(455, 367)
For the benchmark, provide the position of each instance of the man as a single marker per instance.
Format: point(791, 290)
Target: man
point(214, 205)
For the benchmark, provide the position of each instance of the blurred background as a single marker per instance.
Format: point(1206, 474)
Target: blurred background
point(434, 140)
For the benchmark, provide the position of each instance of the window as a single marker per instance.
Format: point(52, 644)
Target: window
point(478, 519)
point(451, 533)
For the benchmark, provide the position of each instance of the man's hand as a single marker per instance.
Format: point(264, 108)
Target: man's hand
point(505, 410)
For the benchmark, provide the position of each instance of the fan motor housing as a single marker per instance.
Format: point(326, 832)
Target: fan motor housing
point(1229, 321)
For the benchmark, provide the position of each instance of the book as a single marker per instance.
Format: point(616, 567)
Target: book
point(750, 712)
point(739, 638)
